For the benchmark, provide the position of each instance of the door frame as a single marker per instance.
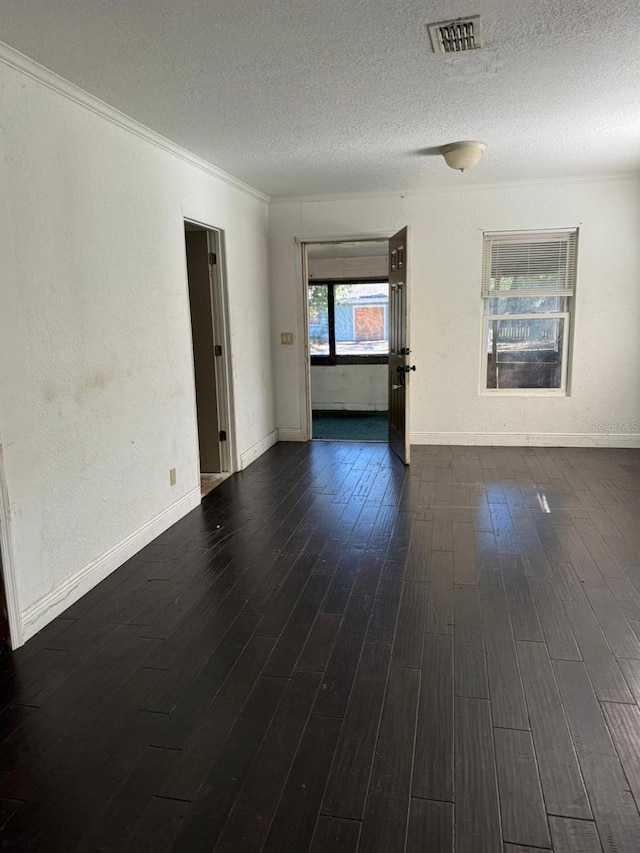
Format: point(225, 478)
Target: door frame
point(229, 461)
point(302, 268)
point(8, 567)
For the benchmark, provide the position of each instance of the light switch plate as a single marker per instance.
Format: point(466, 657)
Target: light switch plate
point(286, 338)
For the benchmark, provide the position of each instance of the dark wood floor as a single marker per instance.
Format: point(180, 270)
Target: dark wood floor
point(334, 654)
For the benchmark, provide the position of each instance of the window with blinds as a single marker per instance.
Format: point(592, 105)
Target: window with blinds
point(528, 285)
point(531, 264)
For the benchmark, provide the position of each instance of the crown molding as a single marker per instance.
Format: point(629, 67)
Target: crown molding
point(428, 191)
point(14, 59)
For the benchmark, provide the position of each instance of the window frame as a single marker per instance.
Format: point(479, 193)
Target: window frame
point(333, 358)
point(540, 392)
point(567, 315)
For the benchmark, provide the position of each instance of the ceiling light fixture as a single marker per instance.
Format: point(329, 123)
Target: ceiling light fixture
point(463, 155)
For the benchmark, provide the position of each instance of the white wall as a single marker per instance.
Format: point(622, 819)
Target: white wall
point(352, 387)
point(372, 266)
point(445, 257)
point(97, 394)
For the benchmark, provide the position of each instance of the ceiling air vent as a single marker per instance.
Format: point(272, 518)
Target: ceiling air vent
point(456, 36)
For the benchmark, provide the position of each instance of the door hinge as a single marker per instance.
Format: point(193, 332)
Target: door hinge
point(217, 350)
point(213, 259)
point(223, 435)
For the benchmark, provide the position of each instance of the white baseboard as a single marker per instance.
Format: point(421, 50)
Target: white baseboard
point(528, 439)
point(258, 449)
point(39, 614)
point(296, 434)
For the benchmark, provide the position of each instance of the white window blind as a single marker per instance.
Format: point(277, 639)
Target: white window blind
point(534, 264)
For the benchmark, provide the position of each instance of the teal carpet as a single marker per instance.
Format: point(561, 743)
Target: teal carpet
point(351, 426)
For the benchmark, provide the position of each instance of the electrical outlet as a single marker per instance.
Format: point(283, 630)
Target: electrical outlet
point(286, 338)
point(172, 477)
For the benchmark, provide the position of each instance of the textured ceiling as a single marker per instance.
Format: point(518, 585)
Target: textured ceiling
point(298, 97)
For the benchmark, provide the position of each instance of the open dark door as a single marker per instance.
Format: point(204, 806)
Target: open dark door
point(399, 367)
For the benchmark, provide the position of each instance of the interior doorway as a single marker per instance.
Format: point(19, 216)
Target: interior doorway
point(347, 289)
point(211, 354)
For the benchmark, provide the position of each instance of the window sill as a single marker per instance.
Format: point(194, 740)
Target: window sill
point(522, 392)
point(333, 361)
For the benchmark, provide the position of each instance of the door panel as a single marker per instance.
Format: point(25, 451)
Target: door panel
point(399, 367)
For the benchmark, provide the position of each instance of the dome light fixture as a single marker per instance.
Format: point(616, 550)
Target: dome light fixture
point(463, 155)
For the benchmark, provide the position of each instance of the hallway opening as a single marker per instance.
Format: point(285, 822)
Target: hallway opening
point(348, 339)
point(211, 352)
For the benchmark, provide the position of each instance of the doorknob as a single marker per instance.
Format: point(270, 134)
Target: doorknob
point(404, 368)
